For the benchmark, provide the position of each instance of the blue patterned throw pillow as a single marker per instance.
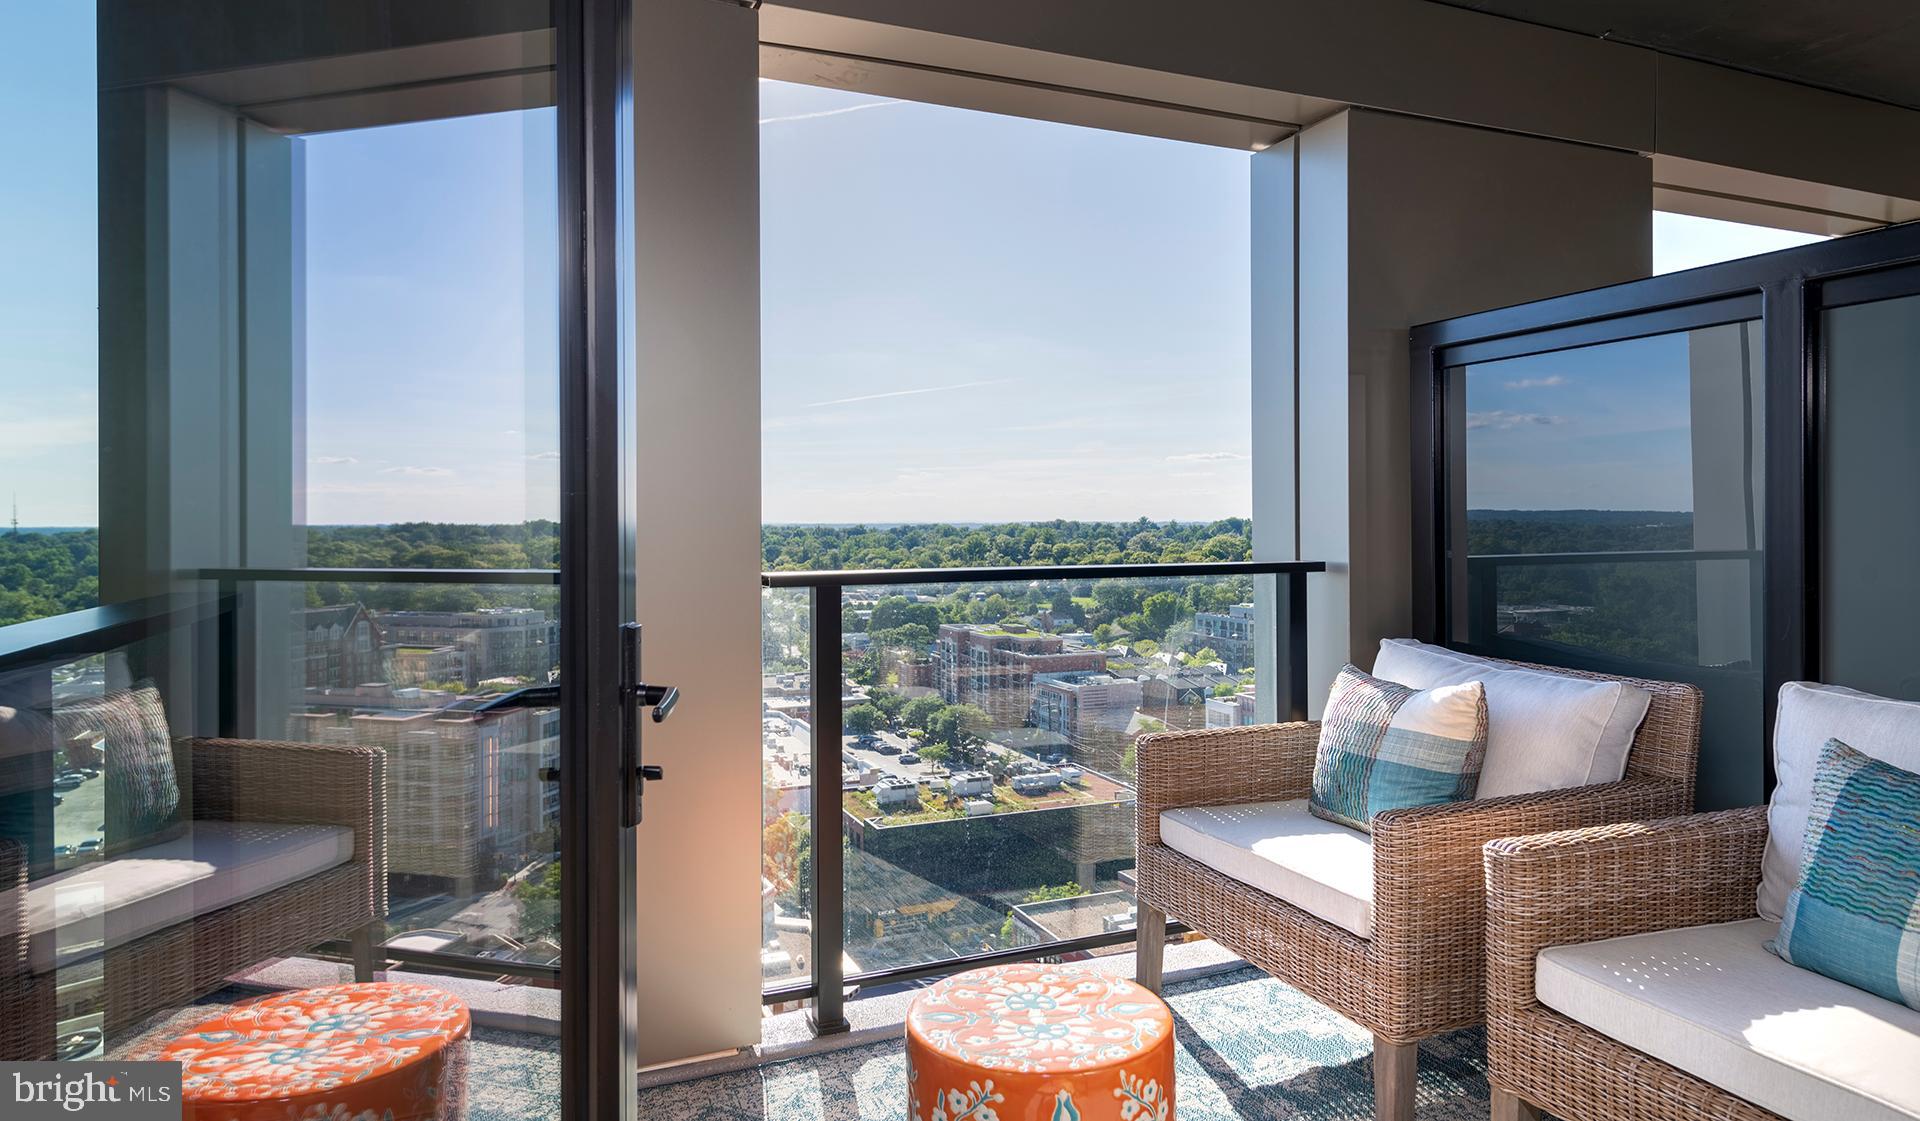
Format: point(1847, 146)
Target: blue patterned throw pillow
point(1856, 915)
point(1384, 746)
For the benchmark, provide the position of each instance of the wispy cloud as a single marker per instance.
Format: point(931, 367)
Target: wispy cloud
point(330, 460)
point(1204, 457)
point(431, 472)
point(814, 116)
point(544, 455)
point(905, 393)
point(1500, 418)
point(1547, 382)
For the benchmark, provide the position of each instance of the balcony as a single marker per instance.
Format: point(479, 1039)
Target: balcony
point(975, 737)
point(403, 406)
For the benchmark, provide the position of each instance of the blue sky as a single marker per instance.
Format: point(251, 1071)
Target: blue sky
point(1603, 427)
point(432, 296)
point(980, 318)
point(49, 322)
point(966, 317)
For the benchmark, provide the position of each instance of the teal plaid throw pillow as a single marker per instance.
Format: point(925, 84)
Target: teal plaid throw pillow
point(1856, 915)
point(1384, 746)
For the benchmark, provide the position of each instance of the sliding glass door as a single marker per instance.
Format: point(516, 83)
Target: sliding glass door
point(311, 603)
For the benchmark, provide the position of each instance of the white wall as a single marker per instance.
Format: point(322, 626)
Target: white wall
point(697, 353)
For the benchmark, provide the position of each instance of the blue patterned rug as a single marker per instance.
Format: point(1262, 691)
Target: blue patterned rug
point(1249, 1047)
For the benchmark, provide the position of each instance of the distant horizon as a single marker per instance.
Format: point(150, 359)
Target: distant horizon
point(958, 523)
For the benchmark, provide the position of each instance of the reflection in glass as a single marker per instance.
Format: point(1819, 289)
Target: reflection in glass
point(473, 842)
point(1611, 499)
point(275, 293)
point(1649, 447)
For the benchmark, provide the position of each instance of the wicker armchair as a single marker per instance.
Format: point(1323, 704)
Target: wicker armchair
point(231, 780)
point(1422, 971)
point(1586, 885)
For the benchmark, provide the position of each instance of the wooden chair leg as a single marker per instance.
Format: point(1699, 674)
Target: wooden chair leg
point(1509, 1107)
point(364, 959)
point(1149, 945)
point(1394, 1068)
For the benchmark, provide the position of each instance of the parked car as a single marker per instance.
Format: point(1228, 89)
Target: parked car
point(910, 758)
point(91, 844)
point(67, 780)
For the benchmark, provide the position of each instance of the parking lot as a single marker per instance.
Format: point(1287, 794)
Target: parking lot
point(888, 762)
point(81, 813)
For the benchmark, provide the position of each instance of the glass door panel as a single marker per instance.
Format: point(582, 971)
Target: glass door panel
point(281, 326)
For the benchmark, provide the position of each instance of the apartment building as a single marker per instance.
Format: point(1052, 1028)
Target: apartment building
point(996, 668)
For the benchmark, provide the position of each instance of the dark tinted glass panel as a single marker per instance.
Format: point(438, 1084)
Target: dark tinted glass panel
point(1610, 502)
point(1870, 508)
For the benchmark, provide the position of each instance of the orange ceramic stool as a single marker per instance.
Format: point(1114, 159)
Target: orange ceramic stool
point(378, 1050)
point(1039, 1043)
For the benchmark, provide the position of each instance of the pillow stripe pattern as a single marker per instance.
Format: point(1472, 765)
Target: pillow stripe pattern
point(143, 804)
point(1856, 915)
point(1384, 746)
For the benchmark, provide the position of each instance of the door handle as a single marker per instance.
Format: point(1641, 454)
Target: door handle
point(659, 698)
point(635, 695)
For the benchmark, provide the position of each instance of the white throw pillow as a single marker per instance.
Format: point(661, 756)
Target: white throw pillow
point(1809, 715)
point(1545, 731)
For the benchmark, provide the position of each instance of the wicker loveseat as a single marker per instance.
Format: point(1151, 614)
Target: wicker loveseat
point(286, 849)
point(1629, 974)
point(1420, 970)
point(1587, 885)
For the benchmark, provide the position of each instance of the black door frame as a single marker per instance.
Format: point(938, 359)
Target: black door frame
point(1788, 290)
point(598, 1026)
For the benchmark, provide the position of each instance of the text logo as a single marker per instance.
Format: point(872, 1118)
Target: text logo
point(90, 1091)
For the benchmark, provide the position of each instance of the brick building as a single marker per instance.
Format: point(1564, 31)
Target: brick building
point(996, 669)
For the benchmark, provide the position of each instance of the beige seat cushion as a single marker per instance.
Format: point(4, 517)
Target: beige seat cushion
point(1322, 868)
point(1712, 1001)
point(78, 913)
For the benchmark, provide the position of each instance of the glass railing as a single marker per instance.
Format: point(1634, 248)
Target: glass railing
point(972, 734)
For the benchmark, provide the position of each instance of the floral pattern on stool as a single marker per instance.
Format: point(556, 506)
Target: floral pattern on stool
point(377, 1051)
point(1033, 1042)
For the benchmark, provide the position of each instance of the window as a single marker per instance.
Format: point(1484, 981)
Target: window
point(1648, 449)
point(49, 315)
point(971, 318)
point(1870, 517)
point(992, 341)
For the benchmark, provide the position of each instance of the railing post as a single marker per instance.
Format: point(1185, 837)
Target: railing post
point(227, 655)
point(829, 875)
point(1483, 601)
point(1296, 645)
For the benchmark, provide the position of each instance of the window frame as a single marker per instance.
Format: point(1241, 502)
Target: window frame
point(1786, 290)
